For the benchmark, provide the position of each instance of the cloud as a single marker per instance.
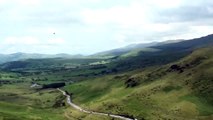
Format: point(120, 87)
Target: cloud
point(21, 2)
point(153, 20)
point(30, 44)
point(120, 38)
point(29, 2)
point(27, 40)
point(80, 25)
point(163, 4)
point(186, 14)
point(56, 41)
point(2, 1)
point(131, 15)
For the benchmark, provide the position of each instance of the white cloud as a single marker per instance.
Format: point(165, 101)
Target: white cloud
point(201, 30)
point(101, 23)
point(164, 4)
point(56, 41)
point(21, 2)
point(2, 1)
point(137, 13)
point(120, 38)
point(29, 2)
point(31, 44)
point(28, 40)
point(132, 15)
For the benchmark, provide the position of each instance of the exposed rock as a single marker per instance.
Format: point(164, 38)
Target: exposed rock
point(131, 82)
point(176, 67)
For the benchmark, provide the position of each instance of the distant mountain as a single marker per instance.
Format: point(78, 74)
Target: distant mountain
point(22, 56)
point(132, 49)
point(188, 44)
point(124, 50)
point(64, 55)
point(141, 51)
point(135, 49)
point(160, 54)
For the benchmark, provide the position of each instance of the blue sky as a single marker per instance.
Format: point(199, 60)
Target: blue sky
point(89, 26)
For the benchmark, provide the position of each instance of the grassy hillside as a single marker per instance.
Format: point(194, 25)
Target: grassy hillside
point(180, 90)
point(20, 102)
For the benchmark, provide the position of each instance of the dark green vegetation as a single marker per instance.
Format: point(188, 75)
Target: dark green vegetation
point(53, 85)
point(153, 81)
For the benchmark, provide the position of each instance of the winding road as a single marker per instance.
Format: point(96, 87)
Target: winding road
point(91, 112)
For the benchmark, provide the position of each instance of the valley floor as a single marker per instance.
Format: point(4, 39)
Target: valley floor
point(68, 99)
point(20, 102)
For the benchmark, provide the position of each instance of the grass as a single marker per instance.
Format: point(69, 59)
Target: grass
point(25, 103)
point(20, 102)
point(170, 88)
point(25, 112)
point(160, 95)
point(202, 105)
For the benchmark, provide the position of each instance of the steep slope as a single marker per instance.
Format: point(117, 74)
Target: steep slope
point(180, 90)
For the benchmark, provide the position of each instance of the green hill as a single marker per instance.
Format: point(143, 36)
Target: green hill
point(179, 90)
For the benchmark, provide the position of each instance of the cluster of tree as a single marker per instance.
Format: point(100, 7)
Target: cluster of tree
point(54, 85)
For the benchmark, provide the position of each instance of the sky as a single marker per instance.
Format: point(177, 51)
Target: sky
point(90, 26)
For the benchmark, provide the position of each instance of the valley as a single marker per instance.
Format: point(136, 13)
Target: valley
point(164, 81)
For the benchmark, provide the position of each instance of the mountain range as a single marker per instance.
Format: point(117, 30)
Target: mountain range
point(130, 50)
